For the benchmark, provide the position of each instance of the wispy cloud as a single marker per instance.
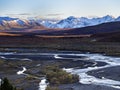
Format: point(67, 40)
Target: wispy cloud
point(23, 14)
point(20, 15)
point(57, 14)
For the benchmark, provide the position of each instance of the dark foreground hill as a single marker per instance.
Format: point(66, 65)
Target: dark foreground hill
point(102, 28)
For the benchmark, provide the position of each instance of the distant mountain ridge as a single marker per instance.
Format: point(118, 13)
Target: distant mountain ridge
point(73, 22)
point(8, 23)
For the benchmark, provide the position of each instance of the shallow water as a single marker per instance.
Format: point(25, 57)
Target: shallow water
point(87, 79)
point(37, 54)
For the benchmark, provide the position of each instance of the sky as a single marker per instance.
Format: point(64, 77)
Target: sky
point(59, 8)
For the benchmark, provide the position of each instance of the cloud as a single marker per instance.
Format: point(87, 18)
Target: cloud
point(92, 16)
point(57, 14)
point(21, 14)
point(24, 14)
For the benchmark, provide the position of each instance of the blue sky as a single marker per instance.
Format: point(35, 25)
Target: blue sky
point(59, 8)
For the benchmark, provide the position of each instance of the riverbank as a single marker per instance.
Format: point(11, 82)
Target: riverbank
point(70, 43)
point(110, 73)
point(85, 87)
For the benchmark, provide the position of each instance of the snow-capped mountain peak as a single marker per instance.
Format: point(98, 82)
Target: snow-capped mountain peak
point(117, 19)
point(108, 18)
point(71, 18)
point(7, 18)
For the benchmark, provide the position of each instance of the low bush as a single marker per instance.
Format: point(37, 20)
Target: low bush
point(57, 76)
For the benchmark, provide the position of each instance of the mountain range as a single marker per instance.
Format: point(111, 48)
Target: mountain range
point(8, 23)
point(97, 29)
point(73, 22)
point(76, 22)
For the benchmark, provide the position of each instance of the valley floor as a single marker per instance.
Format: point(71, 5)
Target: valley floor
point(68, 43)
point(9, 66)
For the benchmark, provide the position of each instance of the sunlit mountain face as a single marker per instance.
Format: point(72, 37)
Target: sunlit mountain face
point(8, 23)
